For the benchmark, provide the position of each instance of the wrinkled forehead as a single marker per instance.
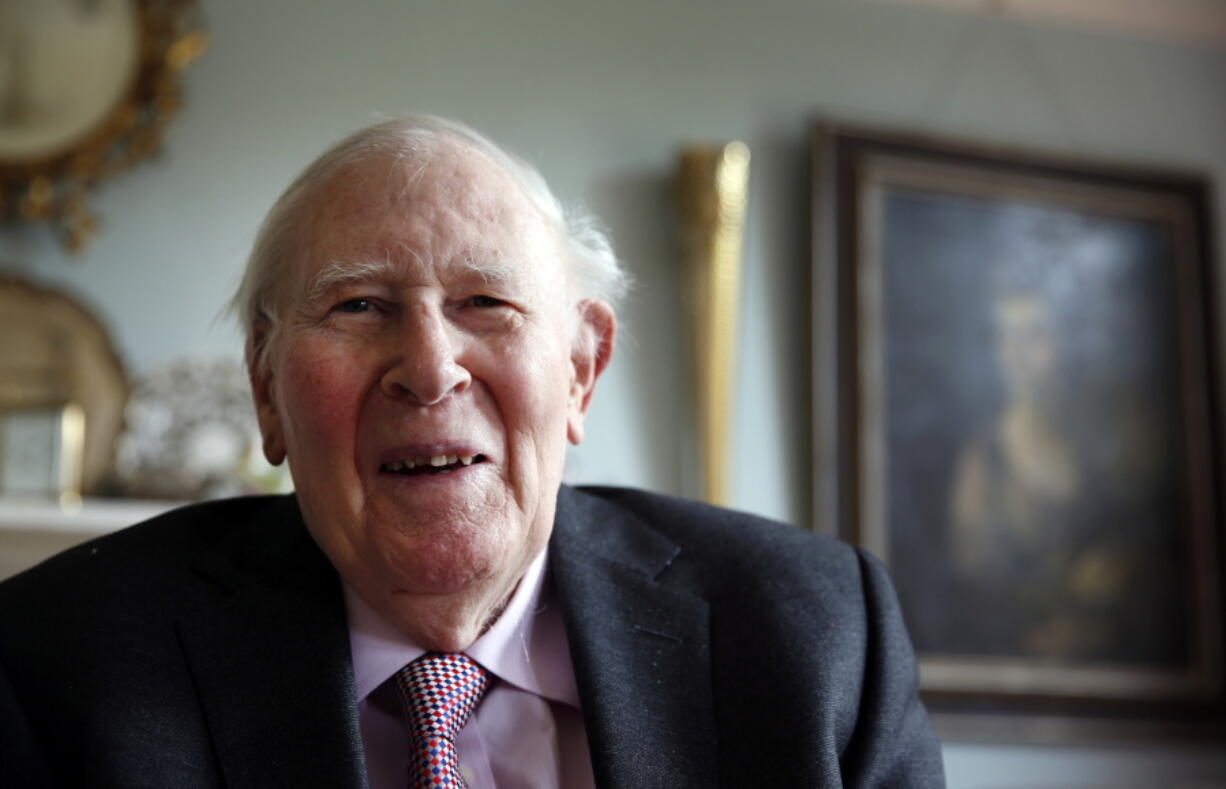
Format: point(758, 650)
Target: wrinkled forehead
point(432, 171)
point(443, 205)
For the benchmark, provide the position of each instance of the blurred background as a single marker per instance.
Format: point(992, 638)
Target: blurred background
point(602, 97)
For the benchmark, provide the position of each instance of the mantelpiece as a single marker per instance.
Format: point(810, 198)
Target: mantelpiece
point(32, 530)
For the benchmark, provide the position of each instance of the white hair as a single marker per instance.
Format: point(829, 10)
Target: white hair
point(594, 268)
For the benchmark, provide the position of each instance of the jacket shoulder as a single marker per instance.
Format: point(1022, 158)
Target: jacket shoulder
point(800, 624)
point(135, 558)
point(725, 546)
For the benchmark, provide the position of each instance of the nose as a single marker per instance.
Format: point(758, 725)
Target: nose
point(426, 369)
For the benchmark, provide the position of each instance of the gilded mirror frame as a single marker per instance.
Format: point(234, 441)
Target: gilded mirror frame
point(52, 186)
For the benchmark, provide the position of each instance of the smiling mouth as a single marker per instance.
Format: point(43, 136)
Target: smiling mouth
point(436, 464)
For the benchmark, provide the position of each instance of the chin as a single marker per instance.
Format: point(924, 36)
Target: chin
point(440, 562)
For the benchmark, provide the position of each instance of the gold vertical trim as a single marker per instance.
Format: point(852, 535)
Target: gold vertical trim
point(72, 453)
point(714, 185)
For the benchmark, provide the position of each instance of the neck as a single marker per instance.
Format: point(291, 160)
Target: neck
point(443, 622)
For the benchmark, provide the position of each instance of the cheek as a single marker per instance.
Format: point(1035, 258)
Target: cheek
point(321, 395)
point(534, 402)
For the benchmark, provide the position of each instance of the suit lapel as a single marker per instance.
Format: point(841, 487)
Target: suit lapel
point(269, 651)
point(640, 648)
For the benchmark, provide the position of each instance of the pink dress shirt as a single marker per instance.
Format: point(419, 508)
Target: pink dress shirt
point(528, 729)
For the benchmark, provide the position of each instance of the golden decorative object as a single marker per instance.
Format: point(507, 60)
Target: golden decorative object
point(714, 185)
point(87, 88)
point(56, 352)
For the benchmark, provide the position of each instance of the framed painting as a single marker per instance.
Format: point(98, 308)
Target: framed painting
point(1015, 375)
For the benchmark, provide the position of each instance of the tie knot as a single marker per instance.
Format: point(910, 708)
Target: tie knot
point(439, 691)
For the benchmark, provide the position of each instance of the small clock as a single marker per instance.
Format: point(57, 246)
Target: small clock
point(41, 452)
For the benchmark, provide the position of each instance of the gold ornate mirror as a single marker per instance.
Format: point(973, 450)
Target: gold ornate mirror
point(86, 89)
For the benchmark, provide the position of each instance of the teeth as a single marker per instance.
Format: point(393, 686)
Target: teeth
point(437, 461)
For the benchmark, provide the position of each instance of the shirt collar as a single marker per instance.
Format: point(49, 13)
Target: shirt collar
point(526, 647)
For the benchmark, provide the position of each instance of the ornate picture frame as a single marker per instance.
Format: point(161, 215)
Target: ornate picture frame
point(1015, 374)
point(57, 352)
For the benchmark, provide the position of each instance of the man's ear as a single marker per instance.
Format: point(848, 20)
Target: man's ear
point(590, 355)
point(263, 393)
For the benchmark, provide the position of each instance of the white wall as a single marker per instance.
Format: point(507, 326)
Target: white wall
point(601, 95)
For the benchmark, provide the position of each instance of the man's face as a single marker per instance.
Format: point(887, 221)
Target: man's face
point(431, 322)
point(1026, 346)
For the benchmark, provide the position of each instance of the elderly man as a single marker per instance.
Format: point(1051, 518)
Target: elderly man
point(425, 331)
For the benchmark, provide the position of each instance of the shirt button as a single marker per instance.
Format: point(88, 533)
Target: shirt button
point(466, 773)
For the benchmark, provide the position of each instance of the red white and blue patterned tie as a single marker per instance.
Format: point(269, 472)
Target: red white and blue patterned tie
point(438, 692)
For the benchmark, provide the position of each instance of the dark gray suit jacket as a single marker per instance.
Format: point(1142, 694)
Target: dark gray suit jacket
point(208, 647)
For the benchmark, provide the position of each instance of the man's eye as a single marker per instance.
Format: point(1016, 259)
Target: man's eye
point(354, 305)
point(485, 301)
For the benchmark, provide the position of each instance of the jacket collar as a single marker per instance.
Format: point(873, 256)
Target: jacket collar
point(640, 647)
point(268, 649)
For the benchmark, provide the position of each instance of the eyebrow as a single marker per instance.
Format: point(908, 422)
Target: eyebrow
point(340, 272)
point(491, 270)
